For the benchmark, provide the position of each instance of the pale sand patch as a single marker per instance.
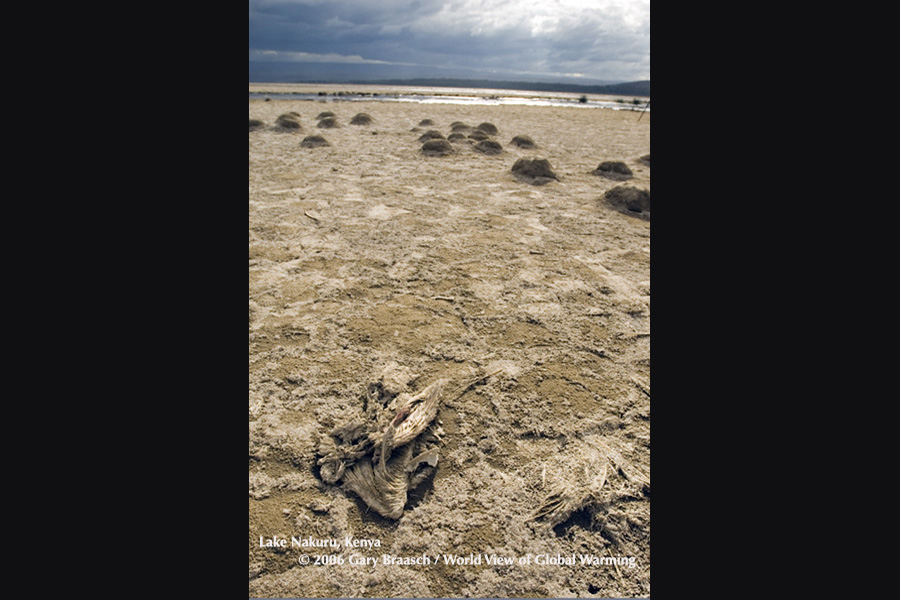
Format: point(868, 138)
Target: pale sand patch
point(381, 212)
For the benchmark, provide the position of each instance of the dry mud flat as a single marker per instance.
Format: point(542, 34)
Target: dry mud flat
point(375, 270)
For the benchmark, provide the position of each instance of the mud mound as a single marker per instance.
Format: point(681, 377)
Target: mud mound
point(536, 171)
point(489, 147)
point(314, 141)
point(523, 141)
point(461, 127)
point(328, 123)
point(615, 170)
point(432, 134)
point(488, 128)
point(457, 137)
point(630, 201)
point(288, 125)
point(478, 135)
point(324, 115)
point(437, 147)
point(426, 123)
point(256, 124)
point(288, 121)
point(361, 119)
point(645, 160)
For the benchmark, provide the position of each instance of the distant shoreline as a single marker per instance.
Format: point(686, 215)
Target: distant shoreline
point(335, 92)
point(636, 89)
point(313, 92)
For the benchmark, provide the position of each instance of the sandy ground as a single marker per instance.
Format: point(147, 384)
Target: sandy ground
point(367, 255)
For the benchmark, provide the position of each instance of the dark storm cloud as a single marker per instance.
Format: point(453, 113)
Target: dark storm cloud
point(606, 39)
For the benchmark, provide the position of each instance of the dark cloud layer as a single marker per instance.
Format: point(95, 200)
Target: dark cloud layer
point(590, 39)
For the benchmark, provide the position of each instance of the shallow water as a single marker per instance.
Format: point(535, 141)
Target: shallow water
point(465, 97)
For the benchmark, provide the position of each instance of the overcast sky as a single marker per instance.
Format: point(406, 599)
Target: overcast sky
point(606, 40)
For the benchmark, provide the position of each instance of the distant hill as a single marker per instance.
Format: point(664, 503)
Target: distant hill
point(632, 88)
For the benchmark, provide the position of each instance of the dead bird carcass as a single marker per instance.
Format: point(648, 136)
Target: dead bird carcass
point(388, 451)
point(591, 472)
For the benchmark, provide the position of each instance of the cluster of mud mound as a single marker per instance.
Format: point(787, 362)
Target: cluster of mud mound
point(290, 122)
point(627, 200)
point(534, 171)
point(434, 143)
point(480, 136)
